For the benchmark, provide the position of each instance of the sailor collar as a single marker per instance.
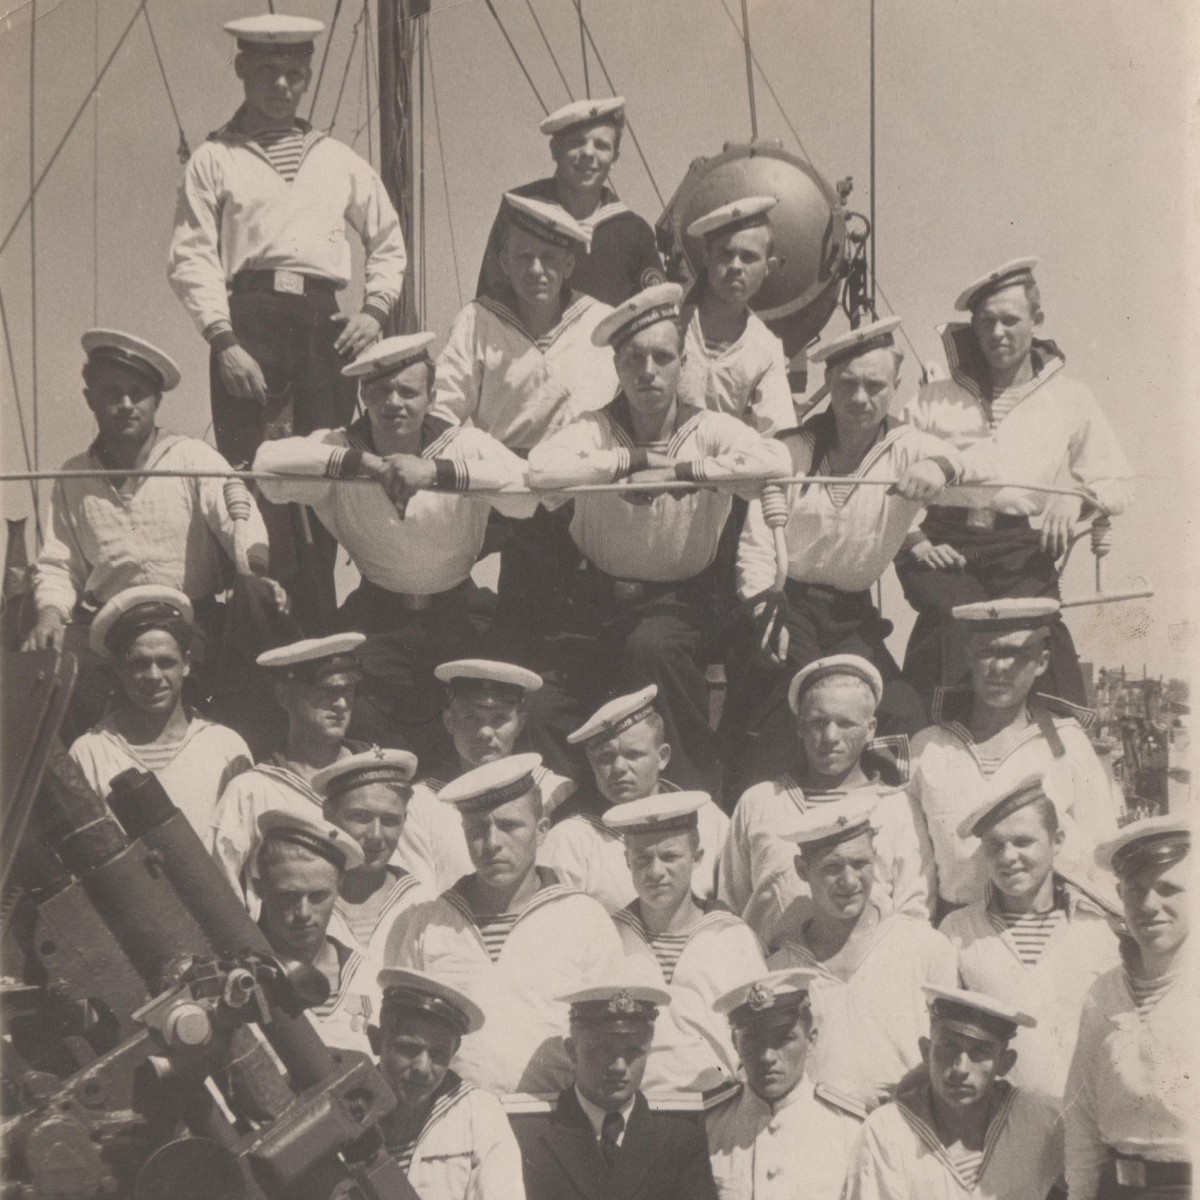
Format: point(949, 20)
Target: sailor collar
point(969, 369)
point(550, 888)
point(433, 430)
point(619, 417)
point(163, 443)
point(951, 706)
point(232, 130)
point(505, 307)
point(885, 762)
point(610, 206)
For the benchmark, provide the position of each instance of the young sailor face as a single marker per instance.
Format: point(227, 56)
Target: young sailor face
point(861, 390)
point(536, 269)
point(1004, 667)
point(648, 367)
point(484, 728)
point(737, 264)
point(273, 84)
point(840, 878)
point(584, 156)
point(373, 815)
point(123, 401)
point(661, 865)
point(609, 1063)
point(836, 721)
point(415, 1055)
point(152, 671)
point(963, 1068)
point(503, 843)
point(1019, 852)
point(774, 1052)
point(298, 894)
point(397, 405)
point(1004, 324)
point(1156, 905)
point(627, 766)
point(320, 711)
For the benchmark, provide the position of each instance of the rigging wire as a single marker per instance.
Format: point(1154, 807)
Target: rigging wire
point(549, 48)
point(437, 124)
point(422, 33)
point(312, 108)
point(95, 167)
point(337, 104)
point(874, 226)
point(33, 305)
point(749, 71)
point(184, 150)
point(367, 85)
point(517, 55)
point(587, 83)
point(16, 391)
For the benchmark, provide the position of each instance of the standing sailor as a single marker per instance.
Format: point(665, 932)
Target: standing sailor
point(1006, 385)
point(585, 142)
point(260, 252)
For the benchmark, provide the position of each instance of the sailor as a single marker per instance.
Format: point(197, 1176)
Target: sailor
point(960, 1127)
point(367, 796)
point(603, 1141)
point(585, 142)
point(260, 252)
point(509, 934)
point(840, 538)
point(486, 714)
point(732, 362)
point(783, 1136)
point(696, 951)
point(299, 865)
point(414, 538)
point(314, 683)
point(999, 730)
point(452, 1139)
point(1133, 1098)
point(626, 747)
point(1037, 937)
point(105, 534)
point(145, 634)
point(868, 964)
point(834, 701)
point(1006, 386)
point(648, 555)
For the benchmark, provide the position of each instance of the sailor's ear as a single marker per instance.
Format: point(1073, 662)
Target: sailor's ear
point(1005, 1061)
point(923, 1046)
point(375, 1037)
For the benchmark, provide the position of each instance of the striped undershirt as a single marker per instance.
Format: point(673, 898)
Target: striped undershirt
point(967, 1163)
point(1148, 992)
point(1030, 931)
point(152, 756)
point(1003, 402)
point(495, 931)
point(840, 492)
point(284, 149)
point(667, 948)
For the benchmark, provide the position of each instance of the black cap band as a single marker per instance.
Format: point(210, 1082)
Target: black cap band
point(1162, 850)
point(980, 294)
point(520, 219)
point(964, 1014)
point(300, 837)
point(154, 614)
point(134, 361)
point(408, 1000)
point(879, 342)
point(277, 49)
point(611, 731)
point(652, 316)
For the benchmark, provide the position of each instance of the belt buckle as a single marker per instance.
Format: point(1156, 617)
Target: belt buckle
point(1131, 1172)
point(291, 282)
point(981, 518)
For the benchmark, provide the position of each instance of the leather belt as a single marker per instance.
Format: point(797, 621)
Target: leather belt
point(1134, 1172)
point(289, 283)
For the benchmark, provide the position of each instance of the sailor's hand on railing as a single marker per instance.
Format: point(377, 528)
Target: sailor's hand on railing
point(1057, 520)
point(921, 482)
point(270, 593)
point(938, 557)
point(403, 475)
point(47, 634)
point(241, 376)
point(770, 631)
point(652, 475)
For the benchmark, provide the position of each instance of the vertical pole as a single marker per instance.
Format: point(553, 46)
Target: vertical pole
point(587, 83)
point(874, 234)
point(33, 301)
point(749, 70)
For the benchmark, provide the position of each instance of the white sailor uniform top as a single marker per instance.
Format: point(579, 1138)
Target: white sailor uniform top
point(352, 1005)
point(693, 1046)
point(502, 379)
point(403, 892)
point(675, 536)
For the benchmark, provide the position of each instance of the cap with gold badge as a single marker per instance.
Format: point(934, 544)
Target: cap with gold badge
point(774, 998)
point(878, 335)
point(136, 610)
point(621, 995)
point(1017, 271)
point(111, 345)
point(580, 113)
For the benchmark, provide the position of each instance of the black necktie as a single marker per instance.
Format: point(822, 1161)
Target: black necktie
point(610, 1131)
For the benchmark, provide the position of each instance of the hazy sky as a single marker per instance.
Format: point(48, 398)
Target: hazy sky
point(1063, 128)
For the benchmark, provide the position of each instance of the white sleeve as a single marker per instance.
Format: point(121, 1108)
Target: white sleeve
point(318, 455)
point(459, 377)
point(755, 572)
point(871, 1176)
point(1098, 461)
point(60, 571)
point(497, 1173)
point(1084, 1148)
point(488, 465)
point(734, 883)
point(913, 884)
point(731, 451)
point(771, 405)
point(195, 270)
point(371, 215)
point(577, 454)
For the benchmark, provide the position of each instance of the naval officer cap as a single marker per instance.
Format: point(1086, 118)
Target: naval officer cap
point(777, 998)
point(878, 335)
point(669, 812)
point(1003, 802)
point(975, 1014)
point(390, 356)
point(834, 665)
point(315, 660)
point(484, 788)
point(136, 610)
point(649, 307)
point(621, 996)
point(377, 765)
point(615, 717)
point(747, 213)
point(1018, 271)
point(608, 110)
point(823, 826)
point(276, 34)
point(549, 222)
point(487, 678)
point(1008, 614)
point(417, 993)
point(112, 345)
point(1159, 841)
point(321, 837)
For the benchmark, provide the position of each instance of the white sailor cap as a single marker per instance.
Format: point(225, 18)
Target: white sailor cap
point(321, 837)
point(774, 997)
point(621, 994)
point(615, 717)
point(667, 812)
point(1162, 840)
point(737, 214)
point(1019, 270)
point(822, 826)
point(834, 664)
point(974, 1013)
point(550, 222)
point(1011, 797)
point(484, 788)
point(657, 303)
point(409, 991)
point(275, 33)
point(390, 356)
point(136, 609)
point(376, 765)
point(111, 345)
point(485, 677)
point(1008, 614)
point(315, 658)
point(875, 336)
point(609, 109)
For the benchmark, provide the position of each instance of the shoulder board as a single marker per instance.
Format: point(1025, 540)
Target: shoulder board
point(841, 1101)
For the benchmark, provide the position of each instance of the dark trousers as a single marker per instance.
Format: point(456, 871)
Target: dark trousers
point(1007, 560)
point(538, 564)
point(291, 338)
point(1153, 1189)
point(759, 726)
